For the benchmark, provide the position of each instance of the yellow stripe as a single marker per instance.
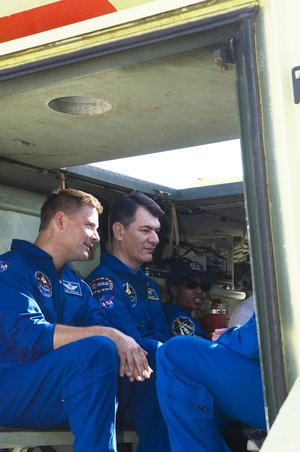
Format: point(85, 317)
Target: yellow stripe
point(123, 4)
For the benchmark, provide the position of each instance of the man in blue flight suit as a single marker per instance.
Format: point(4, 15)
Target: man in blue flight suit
point(187, 286)
point(201, 383)
point(132, 302)
point(59, 357)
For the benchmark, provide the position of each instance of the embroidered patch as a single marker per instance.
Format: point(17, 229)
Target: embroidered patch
point(108, 302)
point(183, 326)
point(131, 293)
point(72, 288)
point(102, 284)
point(3, 266)
point(44, 284)
point(152, 294)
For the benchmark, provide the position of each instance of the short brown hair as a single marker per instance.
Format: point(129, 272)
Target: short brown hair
point(67, 200)
point(124, 210)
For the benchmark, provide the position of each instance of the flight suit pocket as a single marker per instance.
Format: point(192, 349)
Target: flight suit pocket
point(195, 397)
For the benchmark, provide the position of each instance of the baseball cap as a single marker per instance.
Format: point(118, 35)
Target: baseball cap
point(183, 269)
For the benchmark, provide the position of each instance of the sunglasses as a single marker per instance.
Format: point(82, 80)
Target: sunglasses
point(192, 285)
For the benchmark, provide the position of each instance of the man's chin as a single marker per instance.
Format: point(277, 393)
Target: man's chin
point(148, 258)
point(85, 256)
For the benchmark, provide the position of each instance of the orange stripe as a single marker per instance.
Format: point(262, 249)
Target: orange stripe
point(51, 16)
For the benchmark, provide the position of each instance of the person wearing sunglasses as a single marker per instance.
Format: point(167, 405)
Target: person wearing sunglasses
point(187, 286)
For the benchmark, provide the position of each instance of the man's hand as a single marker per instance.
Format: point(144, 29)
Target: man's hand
point(133, 359)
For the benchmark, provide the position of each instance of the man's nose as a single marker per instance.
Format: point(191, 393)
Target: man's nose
point(96, 237)
point(153, 238)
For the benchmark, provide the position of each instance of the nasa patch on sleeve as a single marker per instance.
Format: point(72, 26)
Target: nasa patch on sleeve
point(102, 284)
point(107, 301)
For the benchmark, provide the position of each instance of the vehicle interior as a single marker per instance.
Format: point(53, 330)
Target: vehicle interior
point(177, 93)
point(60, 117)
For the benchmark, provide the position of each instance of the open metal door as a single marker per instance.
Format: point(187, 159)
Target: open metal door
point(257, 208)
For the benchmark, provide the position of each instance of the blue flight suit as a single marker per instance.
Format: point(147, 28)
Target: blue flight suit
point(132, 302)
point(41, 387)
point(181, 321)
point(201, 382)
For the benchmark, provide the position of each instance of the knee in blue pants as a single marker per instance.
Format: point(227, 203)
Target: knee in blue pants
point(195, 389)
point(76, 383)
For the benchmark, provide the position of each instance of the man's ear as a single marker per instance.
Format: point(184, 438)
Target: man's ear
point(60, 219)
point(118, 230)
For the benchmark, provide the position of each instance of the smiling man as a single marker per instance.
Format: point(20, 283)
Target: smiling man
point(59, 357)
point(133, 305)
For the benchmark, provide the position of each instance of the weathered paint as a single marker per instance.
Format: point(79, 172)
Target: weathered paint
point(145, 18)
point(50, 15)
point(19, 19)
point(37, 22)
